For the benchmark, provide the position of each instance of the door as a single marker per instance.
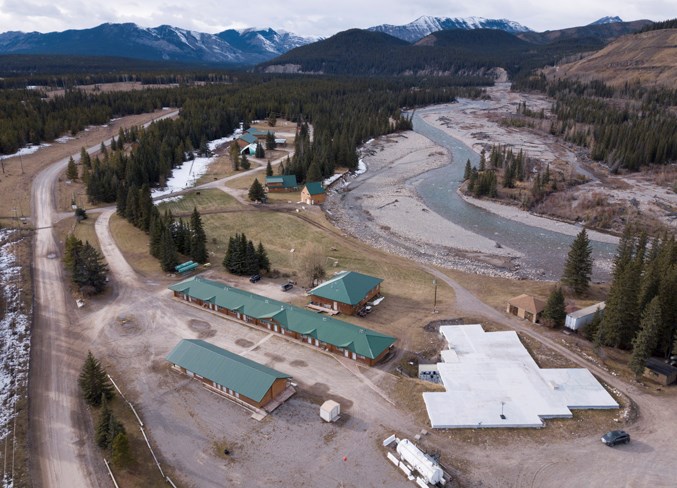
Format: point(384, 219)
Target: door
point(346, 353)
point(335, 306)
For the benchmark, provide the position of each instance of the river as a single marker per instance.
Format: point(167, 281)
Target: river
point(544, 251)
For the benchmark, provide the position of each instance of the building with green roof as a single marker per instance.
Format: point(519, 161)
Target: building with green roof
point(281, 183)
point(228, 373)
point(324, 332)
point(347, 291)
point(313, 193)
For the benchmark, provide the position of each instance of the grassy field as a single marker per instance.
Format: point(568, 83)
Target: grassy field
point(204, 200)
point(84, 230)
point(133, 244)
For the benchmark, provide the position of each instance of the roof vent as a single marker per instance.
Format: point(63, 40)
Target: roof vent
point(361, 331)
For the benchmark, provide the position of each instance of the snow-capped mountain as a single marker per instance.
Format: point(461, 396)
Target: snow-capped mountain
point(426, 25)
point(165, 42)
point(264, 41)
point(607, 20)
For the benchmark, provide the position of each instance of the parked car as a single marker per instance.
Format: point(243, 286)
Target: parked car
point(286, 286)
point(255, 278)
point(615, 437)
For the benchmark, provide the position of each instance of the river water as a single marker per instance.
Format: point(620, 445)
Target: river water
point(544, 251)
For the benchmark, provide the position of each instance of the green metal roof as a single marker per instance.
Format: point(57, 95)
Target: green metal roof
point(346, 287)
point(288, 181)
point(248, 138)
point(315, 188)
point(364, 342)
point(257, 132)
point(242, 375)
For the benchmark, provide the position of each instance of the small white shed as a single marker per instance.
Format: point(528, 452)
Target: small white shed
point(330, 411)
point(580, 318)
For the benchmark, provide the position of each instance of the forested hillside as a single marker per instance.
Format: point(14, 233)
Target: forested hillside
point(454, 52)
point(626, 127)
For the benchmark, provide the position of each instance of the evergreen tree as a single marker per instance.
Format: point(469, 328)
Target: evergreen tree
point(228, 258)
point(155, 233)
point(314, 173)
point(121, 201)
point(198, 241)
point(483, 161)
point(555, 308)
point(468, 170)
point(235, 156)
point(262, 258)
point(146, 205)
point(251, 261)
point(269, 169)
point(621, 315)
point(71, 169)
point(168, 258)
point(108, 427)
point(646, 340)
point(590, 330)
point(93, 381)
point(244, 162)
point(270, 141)
point(72, 247)
point(121, 454)
point(260, 152)
point(85, 158)
point(89, 270)
point(578, 267)
point(256, 192)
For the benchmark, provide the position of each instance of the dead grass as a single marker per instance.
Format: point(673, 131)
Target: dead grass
point(133, 244)
point(205, 201)
point(68, 191)
point(142, 471)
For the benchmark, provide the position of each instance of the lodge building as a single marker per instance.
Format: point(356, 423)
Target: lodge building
point(336, 336)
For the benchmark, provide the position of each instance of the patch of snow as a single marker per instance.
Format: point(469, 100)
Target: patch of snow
point(220, 142)
point(64, 139)
point(369, 141)
point(14, 332)
point(186, 175)
point(331, 179)
point(24, 151)
point(361, 168)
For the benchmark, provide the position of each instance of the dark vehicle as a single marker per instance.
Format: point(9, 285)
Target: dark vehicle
point(255, 278)
point(286, 286)
point(615, 437)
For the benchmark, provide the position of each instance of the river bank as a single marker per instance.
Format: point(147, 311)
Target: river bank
point(381, 208)
point(385, 208)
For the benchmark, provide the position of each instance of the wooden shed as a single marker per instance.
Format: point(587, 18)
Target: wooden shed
point(526, 307)
point(660, 372)
point(313, 193)
point(227, 373)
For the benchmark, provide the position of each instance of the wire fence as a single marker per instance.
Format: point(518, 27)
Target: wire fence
point(150, 448)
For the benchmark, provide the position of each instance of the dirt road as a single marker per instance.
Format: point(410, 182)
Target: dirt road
point(60, 454)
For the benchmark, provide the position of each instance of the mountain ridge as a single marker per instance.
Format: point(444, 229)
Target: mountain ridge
point(159, 43)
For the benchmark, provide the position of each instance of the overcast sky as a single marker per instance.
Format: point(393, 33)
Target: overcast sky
point(312, 17)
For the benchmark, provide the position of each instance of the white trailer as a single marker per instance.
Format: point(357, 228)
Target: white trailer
point(429, 470)
point(580, 318)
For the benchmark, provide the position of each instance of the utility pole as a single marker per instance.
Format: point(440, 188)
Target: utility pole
point(435, 297)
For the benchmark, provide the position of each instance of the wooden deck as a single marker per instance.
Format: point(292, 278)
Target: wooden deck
point(318, 308)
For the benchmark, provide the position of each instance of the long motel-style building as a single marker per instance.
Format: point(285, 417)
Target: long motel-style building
point(336, 336)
